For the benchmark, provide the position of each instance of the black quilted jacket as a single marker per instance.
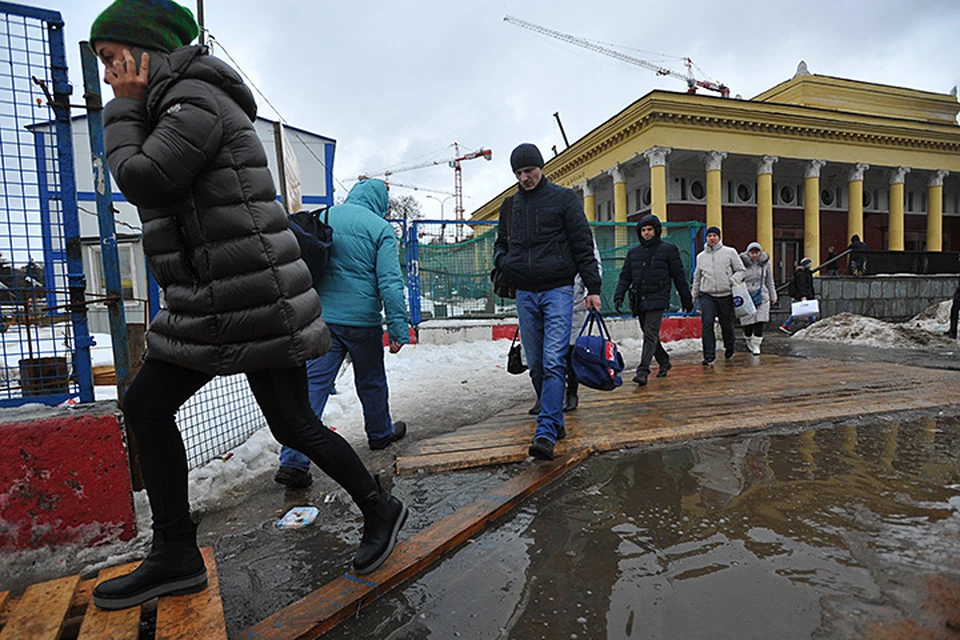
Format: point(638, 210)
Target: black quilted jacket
point(648, 271)
point(238, 297)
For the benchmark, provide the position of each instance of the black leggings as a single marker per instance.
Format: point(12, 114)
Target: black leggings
point(161, 388)
point(755, 329)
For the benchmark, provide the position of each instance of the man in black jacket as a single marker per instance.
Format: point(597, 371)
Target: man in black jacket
point(801, 288)
point(647, 271)
point(547, 244)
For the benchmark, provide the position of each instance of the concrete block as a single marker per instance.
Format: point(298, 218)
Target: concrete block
point(844, 306)
point(863, 289)
point(64, 479)
point(900, 289)
point(876, 290)
point(850, 290)
point(888, 288)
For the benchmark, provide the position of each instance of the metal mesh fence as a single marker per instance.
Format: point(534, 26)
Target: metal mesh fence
point(448, 265)
point(44, 343)
point(222, 415)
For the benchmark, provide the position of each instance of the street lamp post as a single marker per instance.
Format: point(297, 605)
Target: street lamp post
point(442, 201)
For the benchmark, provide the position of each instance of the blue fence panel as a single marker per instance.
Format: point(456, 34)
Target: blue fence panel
point(44, 344)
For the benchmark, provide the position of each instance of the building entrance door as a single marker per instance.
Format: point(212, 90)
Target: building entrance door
point(787, 256)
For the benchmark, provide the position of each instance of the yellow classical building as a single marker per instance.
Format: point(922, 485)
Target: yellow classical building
point(800, 168)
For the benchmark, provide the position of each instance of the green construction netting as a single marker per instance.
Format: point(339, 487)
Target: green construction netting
point(453, 273)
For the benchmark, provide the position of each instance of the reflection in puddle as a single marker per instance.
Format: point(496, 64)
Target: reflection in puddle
point(826, 533)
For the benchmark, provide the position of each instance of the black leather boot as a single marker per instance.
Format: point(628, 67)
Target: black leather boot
point(535, 409)
point(571, 399)
point(173, 568)
point(383, 515)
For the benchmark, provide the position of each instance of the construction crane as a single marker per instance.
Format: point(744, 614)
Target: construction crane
point(692, 82)
point(453, 163)
point(415, 187)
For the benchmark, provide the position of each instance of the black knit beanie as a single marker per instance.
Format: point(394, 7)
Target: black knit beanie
point(526, 155)
point(158, 25)
point(715, 230)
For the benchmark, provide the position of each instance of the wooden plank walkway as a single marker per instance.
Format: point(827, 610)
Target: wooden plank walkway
point(63, 610)
point(694, 401)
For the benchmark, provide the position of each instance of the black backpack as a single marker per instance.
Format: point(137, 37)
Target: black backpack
point(316, 239)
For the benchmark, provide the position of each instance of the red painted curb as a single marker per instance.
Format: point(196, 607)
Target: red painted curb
point(63, 480)
point(413, 337)
point(679, 328)
point(673, 328)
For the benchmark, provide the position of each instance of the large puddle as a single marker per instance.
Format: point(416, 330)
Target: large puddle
point(840, 532)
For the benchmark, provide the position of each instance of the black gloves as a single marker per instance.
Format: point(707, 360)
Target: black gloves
point(617, 304)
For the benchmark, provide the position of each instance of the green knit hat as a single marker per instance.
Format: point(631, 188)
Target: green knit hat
point(160, 25)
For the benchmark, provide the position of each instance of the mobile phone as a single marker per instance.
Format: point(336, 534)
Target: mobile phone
point(137, 53)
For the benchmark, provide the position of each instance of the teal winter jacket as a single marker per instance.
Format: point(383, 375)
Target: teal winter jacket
point(363, 276)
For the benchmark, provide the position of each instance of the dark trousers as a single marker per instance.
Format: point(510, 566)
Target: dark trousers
point(365, 347)
point(755, 329)
point(650, 324)
point(161, 388)
point(712, 307)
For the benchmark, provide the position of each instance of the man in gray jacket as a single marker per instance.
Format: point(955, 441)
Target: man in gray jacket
point(718, 269)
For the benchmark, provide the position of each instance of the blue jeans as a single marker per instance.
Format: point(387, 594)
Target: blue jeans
point(365, 346)
point(791, 319)
point(712, 307)
point(545, 318)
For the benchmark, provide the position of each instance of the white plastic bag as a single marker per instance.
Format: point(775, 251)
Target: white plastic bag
point(803, 308)
point(742, 302)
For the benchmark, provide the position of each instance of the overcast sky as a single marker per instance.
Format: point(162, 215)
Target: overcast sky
point(396, 83)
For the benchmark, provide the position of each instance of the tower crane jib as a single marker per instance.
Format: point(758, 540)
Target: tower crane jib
point(692, 82)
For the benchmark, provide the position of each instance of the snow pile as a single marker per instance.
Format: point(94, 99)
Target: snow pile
point(935, 318)
point(923, 331)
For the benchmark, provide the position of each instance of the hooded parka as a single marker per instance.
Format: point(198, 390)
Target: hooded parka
point(238, 297)
point(649, 269)
point(759, 277)
point(364, 275)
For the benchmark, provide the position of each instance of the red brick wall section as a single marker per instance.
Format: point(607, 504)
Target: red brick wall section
point(64, 480)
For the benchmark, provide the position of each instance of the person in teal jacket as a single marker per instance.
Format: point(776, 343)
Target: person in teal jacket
point(362, 283)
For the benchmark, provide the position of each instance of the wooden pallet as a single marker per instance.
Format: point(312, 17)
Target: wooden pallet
point(63, 610)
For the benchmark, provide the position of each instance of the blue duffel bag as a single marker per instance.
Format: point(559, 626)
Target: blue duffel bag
point(597, 362)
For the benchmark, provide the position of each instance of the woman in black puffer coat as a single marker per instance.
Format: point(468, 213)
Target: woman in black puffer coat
point(181, 144)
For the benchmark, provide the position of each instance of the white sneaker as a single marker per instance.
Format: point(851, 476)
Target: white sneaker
point(755, 345)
